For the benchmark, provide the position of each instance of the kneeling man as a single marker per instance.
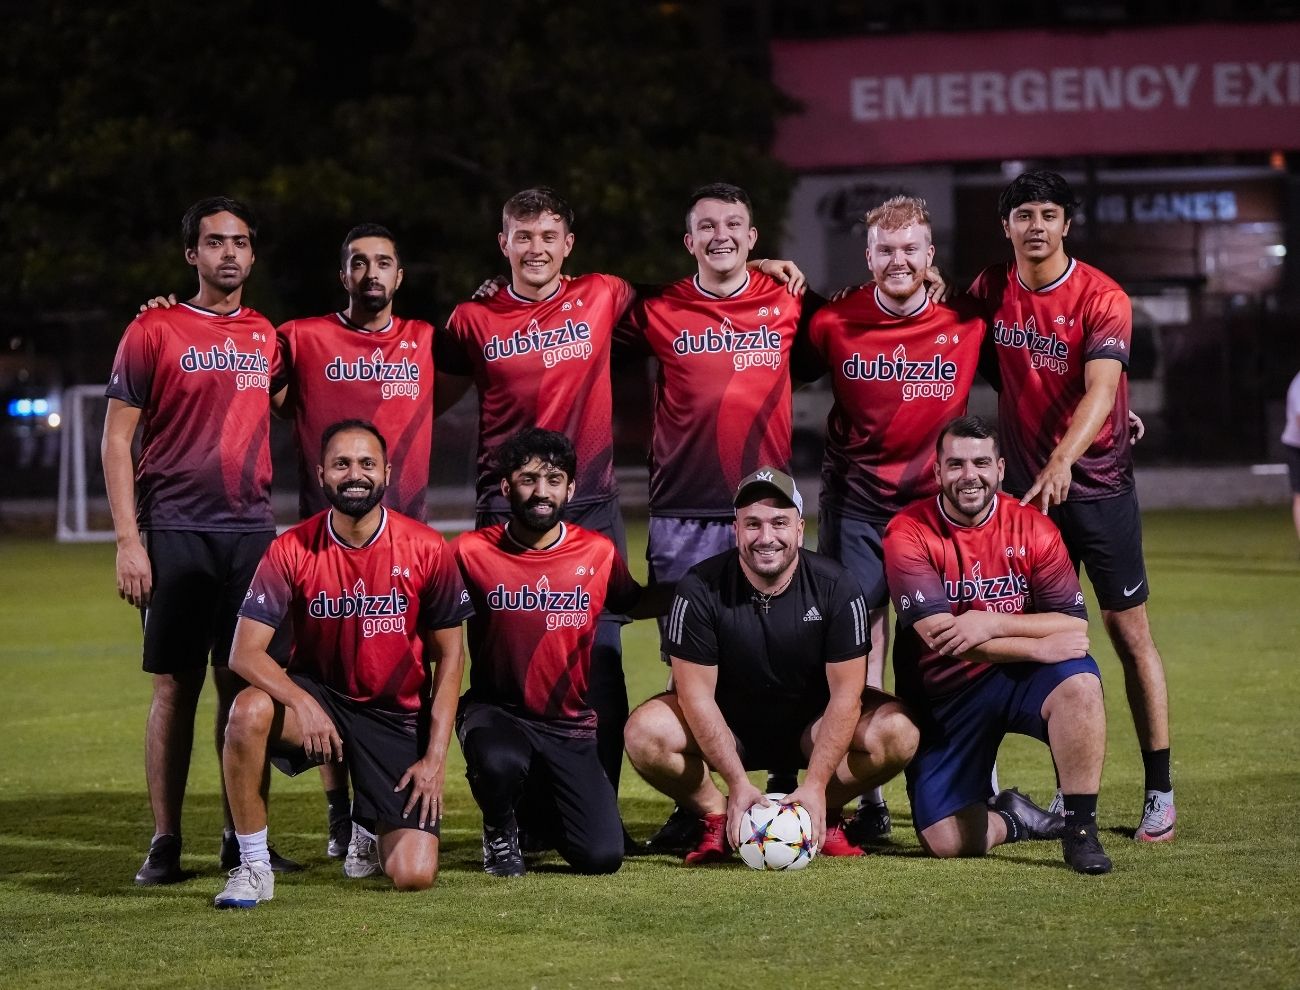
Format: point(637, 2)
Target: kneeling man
point(768, 644)
point(376, 603)
point(993, 639)
point(526, 725)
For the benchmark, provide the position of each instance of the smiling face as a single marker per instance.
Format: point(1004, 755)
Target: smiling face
point(223, 255)
point(720, 236)
point(354, 472)
point(898, 260)
point(1037, 231)
point(769, 533)
point(371, 273)
point(969, 472)
point(538, 493)
point(536, 248)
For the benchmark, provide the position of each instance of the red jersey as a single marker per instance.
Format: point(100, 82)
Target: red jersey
point(202, 384)
point(534, 624)
point(1043, 337)
point(897, 380)
point(1012, 562)
point(722, 396)
point(546, 364)
point(335, 370)
point(359, 613)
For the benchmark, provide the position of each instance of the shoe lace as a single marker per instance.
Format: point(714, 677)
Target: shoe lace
point(1086, 840)
point(502, 845)
point(360, 847)
point(1154, 810)
point(245, 874)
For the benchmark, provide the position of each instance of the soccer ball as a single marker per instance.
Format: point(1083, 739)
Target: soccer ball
point(778, 837)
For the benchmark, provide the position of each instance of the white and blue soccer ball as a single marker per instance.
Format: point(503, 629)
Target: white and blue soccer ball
point(776, 837)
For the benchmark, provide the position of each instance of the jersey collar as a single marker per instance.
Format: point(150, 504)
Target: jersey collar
point(213, 313)
point(918, 310)
point(713, 295)
point(533, 302)
point(383, 522)
point(342, 318)
point(993, 511)
point(564, 531)
point(1069, 270)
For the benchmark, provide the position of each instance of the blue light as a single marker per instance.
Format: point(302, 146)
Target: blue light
point(40, 407)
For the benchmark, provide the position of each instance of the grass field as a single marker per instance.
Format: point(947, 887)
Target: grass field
point(1219, 907)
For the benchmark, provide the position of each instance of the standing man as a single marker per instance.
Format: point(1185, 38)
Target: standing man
point(193, 515)
point(1291, 441)
point(376, 602)
point(538, 585)
point(538, 352)
point(768, 646)
point(993, 639)
point(367, 363)
point(901, 366)
point(1062, 331)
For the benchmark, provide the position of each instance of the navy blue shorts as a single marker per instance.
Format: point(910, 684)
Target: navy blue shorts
point(1105, 535)
point(960, 734)
point(858, 544)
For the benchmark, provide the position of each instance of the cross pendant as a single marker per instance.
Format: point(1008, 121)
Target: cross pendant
point(766, 607)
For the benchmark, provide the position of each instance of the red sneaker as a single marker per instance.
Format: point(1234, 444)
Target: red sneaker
point(713, 846)
point(835, 842)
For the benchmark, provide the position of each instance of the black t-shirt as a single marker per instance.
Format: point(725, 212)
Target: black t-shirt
point(771, 665)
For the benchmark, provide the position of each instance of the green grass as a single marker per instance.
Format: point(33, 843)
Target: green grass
point(1219, 907)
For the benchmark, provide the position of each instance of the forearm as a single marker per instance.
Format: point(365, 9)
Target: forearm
point(119, 480)
point(442, 705)
point(714, 738)
point(833, 738)
point(257, 667)
point(1101, 381)
point(1035, 625)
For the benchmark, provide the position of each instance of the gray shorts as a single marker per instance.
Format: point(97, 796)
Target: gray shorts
point(674, 546)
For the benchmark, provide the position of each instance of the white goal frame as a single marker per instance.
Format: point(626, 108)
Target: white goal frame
point(74, 498)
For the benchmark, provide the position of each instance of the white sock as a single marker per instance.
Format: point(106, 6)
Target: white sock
point(253, 850)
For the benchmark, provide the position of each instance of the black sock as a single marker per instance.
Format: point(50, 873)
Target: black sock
point(1156, 765)
point(340, 805)
point(1015, 827)
point(1081, 809)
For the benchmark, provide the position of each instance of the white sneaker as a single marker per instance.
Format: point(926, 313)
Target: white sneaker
point(340, 838)
point(1158, 817)
point(249, 884)
point(363, 855)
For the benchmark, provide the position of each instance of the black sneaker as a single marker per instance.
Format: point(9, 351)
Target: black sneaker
point(1082, 851)
point(678, 835)
point(1038, 823)
point(163, 864)
point(501, 855)
point(871, 825)
point(230, 856)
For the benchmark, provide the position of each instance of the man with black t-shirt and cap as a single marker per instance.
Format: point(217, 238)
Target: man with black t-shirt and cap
point(768, 644)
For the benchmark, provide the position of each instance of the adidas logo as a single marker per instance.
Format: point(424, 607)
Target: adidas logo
point(812, 615)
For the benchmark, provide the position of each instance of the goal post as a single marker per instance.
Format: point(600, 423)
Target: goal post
point(83, 515)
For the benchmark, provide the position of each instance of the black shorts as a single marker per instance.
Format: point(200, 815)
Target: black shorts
point(774, 743)
point(1105, 535)
point(1293, 466)
point(859, 545)
point(379, 747)
point(199, 583)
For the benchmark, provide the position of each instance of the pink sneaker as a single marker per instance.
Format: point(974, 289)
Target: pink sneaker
point(835, 842)
point(713, 846)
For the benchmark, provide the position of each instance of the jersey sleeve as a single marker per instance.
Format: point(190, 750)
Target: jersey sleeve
point(915, 583)
point(629, 332)
point(807, 355)
point(444, 602)
point(131, 379)
point(848, 631)
point(282, 365)
point(1108, 326)
point(691, 633)
point(1053, 582)
point(623, 591)
point(449, 352)
point(621, 292)
point(268, 597)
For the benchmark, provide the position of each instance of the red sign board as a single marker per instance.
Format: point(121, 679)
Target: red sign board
point(1019, 94)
